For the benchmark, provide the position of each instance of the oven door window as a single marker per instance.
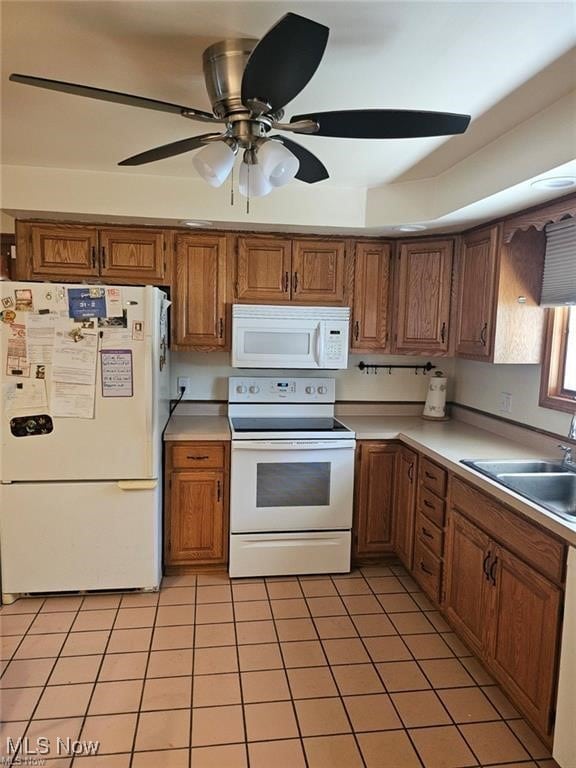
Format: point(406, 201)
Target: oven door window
point(293, 484)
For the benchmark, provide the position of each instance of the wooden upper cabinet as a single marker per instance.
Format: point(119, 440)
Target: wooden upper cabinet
point(319, 272)
point(136, 254)
point(374, 498)
point(371, 310)
point(476, 292)
point(499, 317)
point(201, 291)
point(424, 282)
point(522, 636)
point(405, 504)
point(66, 250)
point(263, 269)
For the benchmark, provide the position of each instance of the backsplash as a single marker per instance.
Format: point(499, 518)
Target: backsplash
point(480, 385)
point(209, 374)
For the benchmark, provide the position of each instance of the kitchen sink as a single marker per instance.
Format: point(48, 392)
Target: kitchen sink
point(515, 466)
point(548, 483)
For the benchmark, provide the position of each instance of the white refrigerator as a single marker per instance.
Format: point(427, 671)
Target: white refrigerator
point(84, 400)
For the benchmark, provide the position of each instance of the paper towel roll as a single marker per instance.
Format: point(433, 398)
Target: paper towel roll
point(435, 406)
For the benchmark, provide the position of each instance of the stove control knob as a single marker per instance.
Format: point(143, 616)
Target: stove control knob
point(254, 390)
point(310, 390)
point(240, 389)
point(322, 390)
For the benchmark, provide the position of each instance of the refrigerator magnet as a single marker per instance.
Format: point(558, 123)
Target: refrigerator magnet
point(86, 302)
point(117, 373)
point(7, 302)
point(138, 330)
point(23, 300)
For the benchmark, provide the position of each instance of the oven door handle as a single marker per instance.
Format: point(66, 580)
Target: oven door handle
point(291, 445)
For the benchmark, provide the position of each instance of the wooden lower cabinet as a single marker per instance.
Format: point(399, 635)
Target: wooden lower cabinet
point(405, 503)
point(375, 498)
point(508, 613)
point(196, 505)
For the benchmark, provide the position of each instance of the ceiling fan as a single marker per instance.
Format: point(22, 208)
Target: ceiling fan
point(249, 83)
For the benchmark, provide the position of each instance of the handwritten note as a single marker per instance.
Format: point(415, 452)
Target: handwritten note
point(117, 374)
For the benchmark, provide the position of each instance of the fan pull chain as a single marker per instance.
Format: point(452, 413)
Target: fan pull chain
point(232, 186)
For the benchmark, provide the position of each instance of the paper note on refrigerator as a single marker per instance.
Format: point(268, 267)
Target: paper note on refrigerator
point(117, 373)
point(75, 401)
point(27, 398)
point(75, 355)
point(17, 363)
point(40, 330)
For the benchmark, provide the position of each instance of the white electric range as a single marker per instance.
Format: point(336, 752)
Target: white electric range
point(292, 478)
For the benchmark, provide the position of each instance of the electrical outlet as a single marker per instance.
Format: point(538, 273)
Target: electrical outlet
point(184, 381)
point(505, 402)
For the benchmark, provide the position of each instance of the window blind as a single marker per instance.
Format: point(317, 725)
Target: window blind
point(559, 282)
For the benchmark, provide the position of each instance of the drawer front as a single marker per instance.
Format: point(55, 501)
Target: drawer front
point(429, 534)
point(431, 506)
point(198, 456)
point(532, 544)
point(433, 477)
point(427, 570)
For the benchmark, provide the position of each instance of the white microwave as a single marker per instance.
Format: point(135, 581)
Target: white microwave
point(289, 337)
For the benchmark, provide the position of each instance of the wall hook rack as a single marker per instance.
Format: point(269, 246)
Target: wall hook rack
point(367, 367)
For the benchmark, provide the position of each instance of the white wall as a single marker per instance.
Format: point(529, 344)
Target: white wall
point(480, 385)
point(209, 372)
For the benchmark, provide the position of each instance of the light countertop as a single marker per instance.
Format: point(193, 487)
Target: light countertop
point(197, 428)
point(446, 443)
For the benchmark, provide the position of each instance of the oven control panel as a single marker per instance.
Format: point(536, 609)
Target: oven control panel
point(291, 389)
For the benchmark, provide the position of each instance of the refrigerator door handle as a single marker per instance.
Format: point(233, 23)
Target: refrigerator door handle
point(137, 485)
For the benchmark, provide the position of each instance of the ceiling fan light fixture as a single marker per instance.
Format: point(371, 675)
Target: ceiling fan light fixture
point(278, 164)
point(214, 162)
point(252, 182)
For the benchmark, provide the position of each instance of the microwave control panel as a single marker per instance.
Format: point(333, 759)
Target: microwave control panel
point(264, 389)
point(336, 344)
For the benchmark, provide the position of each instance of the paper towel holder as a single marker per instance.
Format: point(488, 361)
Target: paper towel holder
point(430, 406)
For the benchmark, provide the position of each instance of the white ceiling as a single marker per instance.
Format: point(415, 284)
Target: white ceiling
point(502, 62)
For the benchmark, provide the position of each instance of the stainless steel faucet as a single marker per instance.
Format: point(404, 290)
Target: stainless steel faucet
point(567, 460)
point(572, 429)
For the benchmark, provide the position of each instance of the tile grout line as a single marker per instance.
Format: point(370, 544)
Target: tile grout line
point(240, 683)
point(294, 711)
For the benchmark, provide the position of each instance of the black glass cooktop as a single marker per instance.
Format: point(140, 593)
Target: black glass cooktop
point(294, 424)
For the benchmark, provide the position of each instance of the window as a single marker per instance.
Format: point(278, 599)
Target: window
point(558, 386)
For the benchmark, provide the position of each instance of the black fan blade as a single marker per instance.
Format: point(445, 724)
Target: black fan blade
point(113, 96)
point(311, 169)
point(284, 60)
point(169, 150)
point(386, 123)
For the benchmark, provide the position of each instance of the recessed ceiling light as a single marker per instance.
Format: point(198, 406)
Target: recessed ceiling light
point(410, 228)
point(555, 182)
point(195, 223)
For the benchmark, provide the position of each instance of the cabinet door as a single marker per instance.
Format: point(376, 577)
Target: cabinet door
point(196, 530)
point(263, 269)
point(523, 636)
point(476, 293)
point(200, 291)
point(468, 593)
point(424, 278)
point(65, 251)
point(375, 483)
point(132, 254)
point(371, 311)
point(405, 504)
point(318, 272)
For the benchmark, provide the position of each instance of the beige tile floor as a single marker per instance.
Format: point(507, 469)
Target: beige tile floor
point(316, 672)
